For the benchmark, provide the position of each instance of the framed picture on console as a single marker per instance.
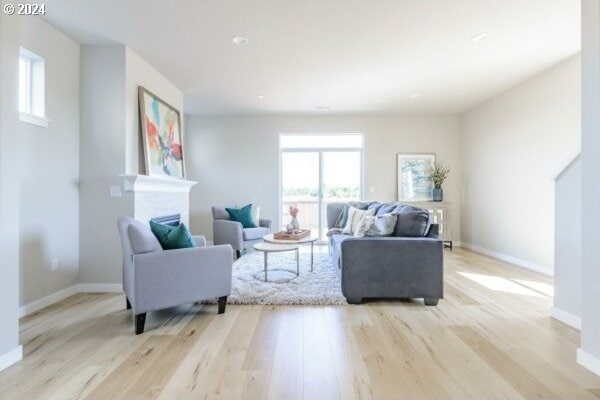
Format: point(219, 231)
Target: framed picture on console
point(160, 125)
point(414, 177)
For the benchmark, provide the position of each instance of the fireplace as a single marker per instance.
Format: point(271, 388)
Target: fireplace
point(156, 196)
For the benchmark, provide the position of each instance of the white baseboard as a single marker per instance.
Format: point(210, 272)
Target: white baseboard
point(37, 305)
point(566, 317)
point(510, 259)
point(13, 356)
point(100, 288)
point(588, 361)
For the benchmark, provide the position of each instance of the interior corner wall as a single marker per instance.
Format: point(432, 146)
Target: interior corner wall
point(102, 160)
point(141, 73)
point(235, 159)
point(110, 146)
point(511, 147)
point(9, 193)
point(49, 169)
point(589, 354)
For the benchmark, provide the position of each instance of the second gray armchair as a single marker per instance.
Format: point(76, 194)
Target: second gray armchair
point(233, 233)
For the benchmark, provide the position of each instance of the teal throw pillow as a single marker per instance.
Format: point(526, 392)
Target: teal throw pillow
point(172, 237)
point(242, 215)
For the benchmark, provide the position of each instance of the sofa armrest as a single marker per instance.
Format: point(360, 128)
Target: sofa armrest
point(389, 266)
point(434, 231)
point(172, 277)
point(199, 240)
point(266, 223)
point(228, 232)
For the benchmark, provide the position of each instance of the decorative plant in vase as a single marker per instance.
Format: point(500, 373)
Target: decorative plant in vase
point(293, 225)
point(439, 173)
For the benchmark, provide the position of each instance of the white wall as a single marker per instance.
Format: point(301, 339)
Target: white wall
point(110, 146)
point(567, 251)
point(49, 169)
point(511, 146)
point(10, 351)
point(235, 159)
point(589, 354)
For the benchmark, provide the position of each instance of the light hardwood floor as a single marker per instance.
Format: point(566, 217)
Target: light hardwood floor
point(490, 338)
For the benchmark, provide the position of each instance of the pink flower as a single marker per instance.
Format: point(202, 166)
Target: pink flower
point(294, 210)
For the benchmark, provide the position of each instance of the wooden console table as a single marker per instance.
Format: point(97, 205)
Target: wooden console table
point(440, 213)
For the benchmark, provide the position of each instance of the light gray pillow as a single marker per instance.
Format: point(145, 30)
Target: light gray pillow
point(355, 216)
point(142, 240)
point(380, 225)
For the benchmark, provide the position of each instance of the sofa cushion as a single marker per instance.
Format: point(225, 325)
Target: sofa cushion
point(172, 237)
point(141, 239)
point(412, 221)
point(255, 233)
point(337, 239)
point(386, 208)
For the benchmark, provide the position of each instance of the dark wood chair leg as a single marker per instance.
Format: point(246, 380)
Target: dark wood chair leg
point(238, 254)
point(128, 303)
point(222, 304)
point(140, 321)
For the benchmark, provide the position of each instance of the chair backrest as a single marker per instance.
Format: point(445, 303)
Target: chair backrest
point(219, 212)
point(135, 238)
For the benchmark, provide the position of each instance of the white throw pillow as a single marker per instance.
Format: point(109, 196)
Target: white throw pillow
point(383, 225)
point(355, 216)
point(364, 226)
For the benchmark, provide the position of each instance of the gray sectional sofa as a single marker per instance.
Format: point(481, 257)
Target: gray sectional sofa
point(408, 264)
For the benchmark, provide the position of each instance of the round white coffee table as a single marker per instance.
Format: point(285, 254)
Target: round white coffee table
point(267, 248)
point(309, 239)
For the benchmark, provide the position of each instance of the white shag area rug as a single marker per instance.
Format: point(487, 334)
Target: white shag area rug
point(320, 287)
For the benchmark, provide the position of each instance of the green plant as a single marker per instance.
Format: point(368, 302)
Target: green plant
point(439, 173)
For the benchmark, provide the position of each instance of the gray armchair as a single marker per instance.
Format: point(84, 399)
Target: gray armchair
point(230, 232)
point(154, 279)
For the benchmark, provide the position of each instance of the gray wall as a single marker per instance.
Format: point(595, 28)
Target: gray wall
point(110, 146)
point(140, 73)
point(102, 159)
point(235, 159)
point(512, 145)
point(49, 169)
point(9, 183)
point(567, 252)
point(590, 140)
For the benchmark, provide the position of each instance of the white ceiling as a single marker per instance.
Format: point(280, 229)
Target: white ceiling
point(351, 55)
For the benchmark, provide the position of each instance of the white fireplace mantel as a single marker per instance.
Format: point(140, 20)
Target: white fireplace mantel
point(145, 183)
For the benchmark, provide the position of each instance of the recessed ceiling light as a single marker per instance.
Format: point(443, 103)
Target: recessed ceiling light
point(480, 37)
point(262, 97)
point(323, 107)
point(240, 40)
point(414, 96)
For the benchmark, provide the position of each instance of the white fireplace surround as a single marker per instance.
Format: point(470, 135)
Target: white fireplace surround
point(157, 196)
point(134, 183)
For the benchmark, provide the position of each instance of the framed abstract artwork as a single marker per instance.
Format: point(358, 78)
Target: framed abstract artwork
point(160, 124)
point(414, 177)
